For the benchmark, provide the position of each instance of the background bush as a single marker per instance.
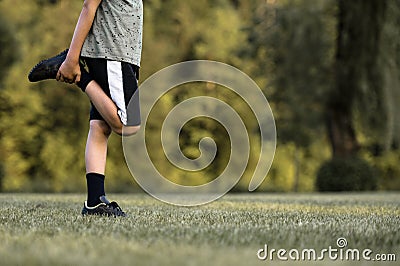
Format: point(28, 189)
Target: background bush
point(346, 174)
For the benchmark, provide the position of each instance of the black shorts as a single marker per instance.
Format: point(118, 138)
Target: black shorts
point(119, 80)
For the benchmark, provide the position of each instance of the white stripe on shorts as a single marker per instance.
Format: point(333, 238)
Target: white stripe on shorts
point(116, 85)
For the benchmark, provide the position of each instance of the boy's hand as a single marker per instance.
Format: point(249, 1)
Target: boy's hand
point(69, 72)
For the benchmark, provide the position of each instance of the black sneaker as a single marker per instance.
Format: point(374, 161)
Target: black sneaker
point(47, 69)
point(117, 209)
point(105, 208)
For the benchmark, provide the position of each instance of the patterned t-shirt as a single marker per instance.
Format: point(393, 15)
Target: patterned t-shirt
point(116, 33)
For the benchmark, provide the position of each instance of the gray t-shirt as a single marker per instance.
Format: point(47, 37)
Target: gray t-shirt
point(116, 33)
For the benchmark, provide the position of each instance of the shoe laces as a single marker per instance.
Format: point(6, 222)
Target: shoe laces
point(116, 208)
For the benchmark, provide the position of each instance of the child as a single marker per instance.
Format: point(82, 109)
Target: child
point(108, 39)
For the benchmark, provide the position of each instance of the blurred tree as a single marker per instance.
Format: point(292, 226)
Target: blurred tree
point(382, 138)
point(44, 2)
point(293, 43)
point(8, 47)
point(290, 48)
point(8, 55)
point(358, 73)
point(200, 30)
point(301, 47)
point(362, 104)
point(43, 127)
point(378, 108)
point(47, 122)
point(332, 63)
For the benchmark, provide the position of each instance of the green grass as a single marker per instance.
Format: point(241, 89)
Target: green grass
point(48, 229)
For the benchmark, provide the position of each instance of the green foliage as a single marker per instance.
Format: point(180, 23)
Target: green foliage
point(199, 30)
point(294, 169)
point(296, 41)
point(1, 176)
point(287, 47)
point(363, 69)
point(378, 116)
point(8, 47)
point(346, 174)
point(8, 55)
point(389, 171)
point(292, 45)
point(42, 127)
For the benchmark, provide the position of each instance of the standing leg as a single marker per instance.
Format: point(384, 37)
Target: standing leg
point(95, 158)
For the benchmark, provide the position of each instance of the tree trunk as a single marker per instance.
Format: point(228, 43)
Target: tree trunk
point(360, 23)
point(341, 133)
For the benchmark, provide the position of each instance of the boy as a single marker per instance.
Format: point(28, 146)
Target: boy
point(108, 39)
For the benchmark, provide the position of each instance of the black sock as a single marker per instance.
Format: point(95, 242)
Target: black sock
point(86, 78)
point(95, 188)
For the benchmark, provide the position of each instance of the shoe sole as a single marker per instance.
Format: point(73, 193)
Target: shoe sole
point(48, 68)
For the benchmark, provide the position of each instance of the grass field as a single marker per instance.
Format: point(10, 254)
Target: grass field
point(49, 230)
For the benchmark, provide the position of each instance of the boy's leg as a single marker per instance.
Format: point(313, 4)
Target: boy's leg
point(47, 69)
point(110, 87)
point(108, 109)
point(96, 147)
point(105, 106)
point(95, 158)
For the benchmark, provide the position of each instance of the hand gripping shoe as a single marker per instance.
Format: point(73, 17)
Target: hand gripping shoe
point(47, 69)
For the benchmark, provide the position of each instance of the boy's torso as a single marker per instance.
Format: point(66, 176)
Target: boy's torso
point(116, 33)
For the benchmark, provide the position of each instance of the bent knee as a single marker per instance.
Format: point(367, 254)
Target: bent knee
point(130, 130)
point(100, 126)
